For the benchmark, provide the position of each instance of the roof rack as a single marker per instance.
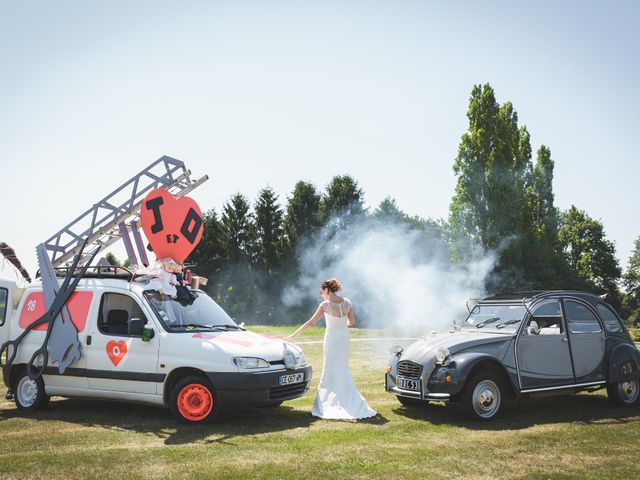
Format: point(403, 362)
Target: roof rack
point(98, 271)
point(105, 223)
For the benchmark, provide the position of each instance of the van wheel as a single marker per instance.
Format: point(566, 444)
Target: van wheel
point(193, 400)
point(411, 402)
point(625, 393)
point(29, 395)
point(482, 396)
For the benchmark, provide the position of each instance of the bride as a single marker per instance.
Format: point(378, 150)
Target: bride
point(338, 397)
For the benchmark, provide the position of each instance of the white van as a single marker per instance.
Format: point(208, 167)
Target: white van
point(196, 360)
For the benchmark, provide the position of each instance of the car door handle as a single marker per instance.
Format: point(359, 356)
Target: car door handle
point(88, 339)
point(565, 339)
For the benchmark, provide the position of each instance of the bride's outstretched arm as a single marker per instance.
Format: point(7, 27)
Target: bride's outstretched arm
point(351, 319)
point(309, 323)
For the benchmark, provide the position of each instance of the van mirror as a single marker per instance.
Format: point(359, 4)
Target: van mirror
point(136, 327)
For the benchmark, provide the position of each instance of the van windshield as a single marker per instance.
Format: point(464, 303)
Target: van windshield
point(200, 314)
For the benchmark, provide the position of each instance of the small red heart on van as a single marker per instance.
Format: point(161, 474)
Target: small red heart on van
point(172, 225)
point(116, 350)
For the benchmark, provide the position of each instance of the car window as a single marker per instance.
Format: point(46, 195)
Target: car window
point(116, 310)
point(546, 319)
point(4, 293)
point(580, 319)
point(611, 321)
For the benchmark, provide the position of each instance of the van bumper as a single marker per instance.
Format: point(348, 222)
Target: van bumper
point(260, 388)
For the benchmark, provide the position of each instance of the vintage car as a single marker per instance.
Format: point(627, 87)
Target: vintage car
point(520, 345)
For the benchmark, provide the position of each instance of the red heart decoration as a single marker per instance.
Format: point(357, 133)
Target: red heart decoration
point(116, 350)
point(172, 225)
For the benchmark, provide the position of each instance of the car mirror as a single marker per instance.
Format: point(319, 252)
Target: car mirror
point(533, 328)
point(136, 327)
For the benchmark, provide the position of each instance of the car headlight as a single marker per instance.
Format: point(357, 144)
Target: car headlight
point(396, 350)
point(442, 355)
point(301, 359)
point(250, 362)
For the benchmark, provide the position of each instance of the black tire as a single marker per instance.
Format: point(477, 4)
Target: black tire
point(29, 395)
point(194, 401)
point(626, 393)
point(483, 396)
point(411, 402)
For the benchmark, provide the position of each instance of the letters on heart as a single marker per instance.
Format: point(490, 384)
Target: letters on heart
point(116, 350)
point(172, 225)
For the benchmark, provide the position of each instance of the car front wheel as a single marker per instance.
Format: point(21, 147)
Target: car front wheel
point(193, 400)
point(29, 394)
point(482, 396)
point(625, 393)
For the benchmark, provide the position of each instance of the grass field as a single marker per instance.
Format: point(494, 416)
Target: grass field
point(580, 436)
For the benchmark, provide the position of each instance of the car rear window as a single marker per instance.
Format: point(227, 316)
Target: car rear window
point(611, 321)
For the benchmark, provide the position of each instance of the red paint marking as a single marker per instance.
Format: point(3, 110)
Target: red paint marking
point(34, 308)
point(202, 335)
point(229, 338)
point(116, 350)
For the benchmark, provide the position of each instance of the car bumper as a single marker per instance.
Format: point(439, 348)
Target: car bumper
point(260, 388)
point(390, 385)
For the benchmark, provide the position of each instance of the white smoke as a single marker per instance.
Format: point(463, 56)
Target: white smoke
point(393, 274)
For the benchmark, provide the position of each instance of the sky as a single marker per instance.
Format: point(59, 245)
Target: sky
point(258, 93)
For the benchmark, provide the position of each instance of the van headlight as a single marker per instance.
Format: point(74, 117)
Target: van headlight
point(301, 359)
point(250, 362)
point(442, 355)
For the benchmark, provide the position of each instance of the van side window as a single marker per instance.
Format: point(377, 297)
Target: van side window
point(116, 310)
point(580, 319)
point(4, 298)
point(611, 321)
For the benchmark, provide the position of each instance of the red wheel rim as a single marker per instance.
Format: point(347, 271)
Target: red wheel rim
point(195, 402)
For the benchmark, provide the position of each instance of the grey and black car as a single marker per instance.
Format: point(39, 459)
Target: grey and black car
point(520, 345)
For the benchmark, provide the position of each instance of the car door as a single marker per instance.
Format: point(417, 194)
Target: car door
point(587, 340)
point(117, 361)
point(542, 348)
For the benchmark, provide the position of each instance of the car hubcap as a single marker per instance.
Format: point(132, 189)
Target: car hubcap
point(629, 390)
point(27, 391)
point(486, 399)
point(195, 402)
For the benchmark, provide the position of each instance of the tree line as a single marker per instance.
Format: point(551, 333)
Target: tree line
point(503, 204)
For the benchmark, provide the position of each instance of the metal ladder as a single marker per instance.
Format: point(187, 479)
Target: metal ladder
point(111, 218)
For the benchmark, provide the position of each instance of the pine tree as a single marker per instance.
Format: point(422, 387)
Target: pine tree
point(303, 215)
point(269, 230)
point(343, 197)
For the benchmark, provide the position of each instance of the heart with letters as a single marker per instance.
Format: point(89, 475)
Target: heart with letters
point(116, 350)
point(172, 225)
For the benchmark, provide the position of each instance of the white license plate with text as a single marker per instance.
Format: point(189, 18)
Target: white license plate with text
point(291, 379)
point(407, 384)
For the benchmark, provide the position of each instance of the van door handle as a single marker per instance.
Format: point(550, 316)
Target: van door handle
point(565, 339)
point(88, 339)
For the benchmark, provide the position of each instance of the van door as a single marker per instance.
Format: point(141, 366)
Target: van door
point(33, 308)
point(117, 361)
point(542, 348)
point(588, 342)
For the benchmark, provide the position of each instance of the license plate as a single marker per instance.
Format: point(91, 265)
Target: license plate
point(406, 384)
point(290, 379)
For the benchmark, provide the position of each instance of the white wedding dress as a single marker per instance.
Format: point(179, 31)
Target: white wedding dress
point(338, 397)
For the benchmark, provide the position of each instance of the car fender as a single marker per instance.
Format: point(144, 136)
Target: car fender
point(460, 368)
point(624, 363)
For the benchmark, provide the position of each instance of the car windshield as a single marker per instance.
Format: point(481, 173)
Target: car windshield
point(201, 313)
point(507, 317)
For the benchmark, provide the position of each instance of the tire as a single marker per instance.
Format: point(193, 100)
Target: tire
point(29, 395)
point(411, 402)
point(194, 401)
point(625, 393)
point(483, 396)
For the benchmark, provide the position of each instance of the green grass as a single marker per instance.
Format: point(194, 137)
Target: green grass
point(580, 436)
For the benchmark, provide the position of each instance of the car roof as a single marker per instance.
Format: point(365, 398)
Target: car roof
point(532, 295)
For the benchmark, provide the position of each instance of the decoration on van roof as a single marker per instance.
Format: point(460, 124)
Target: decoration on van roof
point(172, 225)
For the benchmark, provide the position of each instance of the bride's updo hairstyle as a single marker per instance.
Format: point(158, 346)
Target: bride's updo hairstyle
point(333, 285)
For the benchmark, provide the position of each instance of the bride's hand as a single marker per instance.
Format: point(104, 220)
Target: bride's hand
point(288, 337)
